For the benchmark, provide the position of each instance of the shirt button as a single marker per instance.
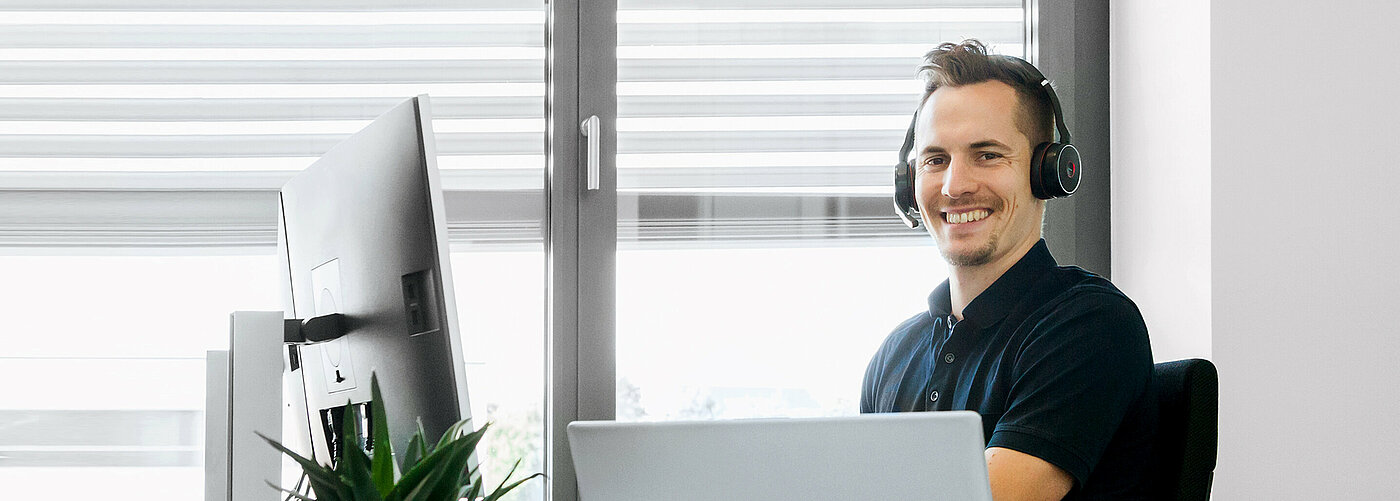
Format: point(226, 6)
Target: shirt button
point(948, 358)
point(933, 397)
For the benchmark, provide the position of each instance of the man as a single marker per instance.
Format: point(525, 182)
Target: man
point(1055, 359)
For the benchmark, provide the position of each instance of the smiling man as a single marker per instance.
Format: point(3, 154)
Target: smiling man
point(1054, 358)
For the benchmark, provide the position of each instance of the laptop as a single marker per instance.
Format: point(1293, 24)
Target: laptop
point(919, 455)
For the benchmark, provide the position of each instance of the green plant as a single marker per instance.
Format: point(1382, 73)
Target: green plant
point(430, 472)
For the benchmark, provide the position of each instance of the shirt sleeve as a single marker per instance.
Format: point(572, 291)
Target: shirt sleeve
point(1076, 377)
point(869, 387)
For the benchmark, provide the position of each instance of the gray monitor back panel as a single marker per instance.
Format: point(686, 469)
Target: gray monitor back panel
point(363, 233)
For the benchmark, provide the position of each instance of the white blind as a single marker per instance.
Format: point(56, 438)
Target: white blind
point(776, 120)
point(210, 97)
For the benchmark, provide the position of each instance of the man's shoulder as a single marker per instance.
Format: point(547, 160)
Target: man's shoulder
point(1073, 298)
point(1076, 287)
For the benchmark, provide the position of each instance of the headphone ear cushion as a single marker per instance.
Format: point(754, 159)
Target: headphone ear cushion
point(1038, 171)
point(905, 204)
point(1055, 170)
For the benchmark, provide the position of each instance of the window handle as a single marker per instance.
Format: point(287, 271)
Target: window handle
point(593, 131)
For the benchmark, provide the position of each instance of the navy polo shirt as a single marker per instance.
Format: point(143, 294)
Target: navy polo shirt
point(1054, 358)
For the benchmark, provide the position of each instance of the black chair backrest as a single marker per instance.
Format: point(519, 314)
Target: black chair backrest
point(1188, 399)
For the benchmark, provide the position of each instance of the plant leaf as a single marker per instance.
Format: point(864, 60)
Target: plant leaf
point(354, 467)
point(323, 480)
point(415, 477)
point(434, 482)
point(451, 459)
point(295, 494)
point(419, 493)
point(444, 454)
point(382, 468)
point(415, 449)
point(451, 481)
point(497, 493)
point(502, 491)
point(427, 447)
point(453, 432)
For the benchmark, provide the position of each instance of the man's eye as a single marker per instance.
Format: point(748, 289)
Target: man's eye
point(934, 162)
point(990, 156)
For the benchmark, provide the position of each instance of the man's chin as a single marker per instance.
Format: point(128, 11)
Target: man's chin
point(967, 255)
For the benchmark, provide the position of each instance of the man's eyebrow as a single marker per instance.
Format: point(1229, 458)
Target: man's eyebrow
point(988, 143)
point(985, 143)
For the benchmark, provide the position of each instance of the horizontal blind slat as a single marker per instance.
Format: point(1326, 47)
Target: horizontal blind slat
point(807, 4)
point(265, 5)
point(269, 72)
point(744, 141)
point(650, 70)
point(814, 33)
point(249, 145)
point(236, 109)
point(739, 106)
point(278, 36)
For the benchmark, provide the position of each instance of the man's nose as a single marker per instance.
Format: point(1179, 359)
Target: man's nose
point(958, 179)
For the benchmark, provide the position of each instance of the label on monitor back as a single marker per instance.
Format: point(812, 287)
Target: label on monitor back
point(337, 365)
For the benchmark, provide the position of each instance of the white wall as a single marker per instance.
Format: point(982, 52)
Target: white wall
point(1159, 93)
point(1304, 182)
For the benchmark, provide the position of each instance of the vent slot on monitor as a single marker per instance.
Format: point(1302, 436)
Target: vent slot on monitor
point(420, 303)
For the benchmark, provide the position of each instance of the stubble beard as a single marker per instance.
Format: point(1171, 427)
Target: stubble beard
point(976, 257)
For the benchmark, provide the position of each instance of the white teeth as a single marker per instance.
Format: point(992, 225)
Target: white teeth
point(967, 217)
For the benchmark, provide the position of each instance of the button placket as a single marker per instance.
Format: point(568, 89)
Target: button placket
point(948, 358)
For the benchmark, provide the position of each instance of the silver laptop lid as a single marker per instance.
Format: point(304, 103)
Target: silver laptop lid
point(923, 455)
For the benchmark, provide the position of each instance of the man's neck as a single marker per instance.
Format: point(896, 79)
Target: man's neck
point(965, 283)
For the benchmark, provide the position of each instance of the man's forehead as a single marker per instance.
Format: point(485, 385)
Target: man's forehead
point(969, 113)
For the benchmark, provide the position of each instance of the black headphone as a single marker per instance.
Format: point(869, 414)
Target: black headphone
point(1055, 165)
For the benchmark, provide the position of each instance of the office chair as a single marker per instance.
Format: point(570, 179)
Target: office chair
point(1187, 434)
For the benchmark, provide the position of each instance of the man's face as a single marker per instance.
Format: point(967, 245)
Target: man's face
point(972, 174)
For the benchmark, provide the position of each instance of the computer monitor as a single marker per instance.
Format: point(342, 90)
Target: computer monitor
point(362, 232)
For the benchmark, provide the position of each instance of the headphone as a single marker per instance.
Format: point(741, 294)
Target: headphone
point(1055, 165)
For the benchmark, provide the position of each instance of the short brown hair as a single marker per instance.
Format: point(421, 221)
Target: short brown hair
point(957, 64)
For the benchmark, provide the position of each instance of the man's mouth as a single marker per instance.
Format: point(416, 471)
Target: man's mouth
point(966, 216)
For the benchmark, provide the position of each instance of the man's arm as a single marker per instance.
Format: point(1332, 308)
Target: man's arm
point(1017, 476)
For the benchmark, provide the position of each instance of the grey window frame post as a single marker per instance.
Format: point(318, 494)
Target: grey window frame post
point(581, 228)
point(1068, 41)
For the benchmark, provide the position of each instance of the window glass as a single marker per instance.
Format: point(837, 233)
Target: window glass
point(104, 371)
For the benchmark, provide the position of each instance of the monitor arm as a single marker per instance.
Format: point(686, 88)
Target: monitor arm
point(314, 329)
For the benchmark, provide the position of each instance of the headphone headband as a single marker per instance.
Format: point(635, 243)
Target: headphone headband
point(1060, 126)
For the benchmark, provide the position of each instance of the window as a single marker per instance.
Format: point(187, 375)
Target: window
point(757, 259)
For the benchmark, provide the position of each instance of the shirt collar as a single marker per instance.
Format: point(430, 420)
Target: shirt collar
point(992, 304)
